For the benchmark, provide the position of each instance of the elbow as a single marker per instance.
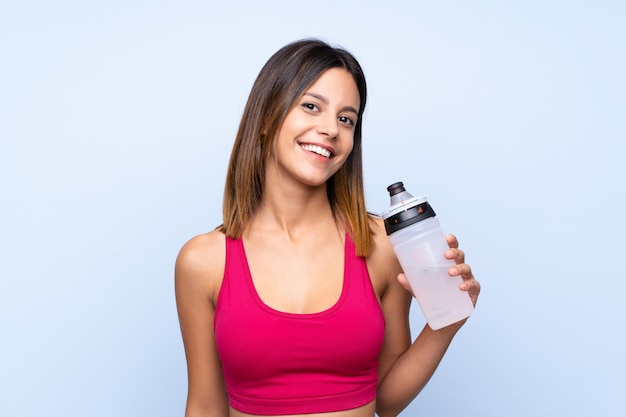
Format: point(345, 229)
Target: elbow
point(385, 414)
point(382, 411)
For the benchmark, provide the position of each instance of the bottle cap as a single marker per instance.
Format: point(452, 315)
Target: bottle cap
point(405, 209)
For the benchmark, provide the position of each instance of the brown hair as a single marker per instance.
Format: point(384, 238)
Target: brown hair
point(283, 79)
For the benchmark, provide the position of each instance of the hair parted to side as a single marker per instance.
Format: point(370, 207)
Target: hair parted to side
point(280, 83)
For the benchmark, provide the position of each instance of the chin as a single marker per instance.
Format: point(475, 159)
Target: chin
point(315, 184)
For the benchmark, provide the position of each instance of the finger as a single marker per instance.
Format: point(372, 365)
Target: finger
point(462, 269)
point(403, 280)
point(453, 242)
point(472, 287)
point(455, 254)
point(469, 283)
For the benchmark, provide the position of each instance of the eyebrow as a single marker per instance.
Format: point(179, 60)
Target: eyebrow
point(325, 101)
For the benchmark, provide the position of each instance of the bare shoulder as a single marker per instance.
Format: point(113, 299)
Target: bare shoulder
point(200, 263)
point(199, 273)
point(382, 263)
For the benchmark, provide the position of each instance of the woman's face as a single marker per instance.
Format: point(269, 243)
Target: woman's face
point(317, 134)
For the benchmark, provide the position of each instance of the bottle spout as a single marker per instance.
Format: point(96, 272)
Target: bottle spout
point(398, 194)
point(395, 188)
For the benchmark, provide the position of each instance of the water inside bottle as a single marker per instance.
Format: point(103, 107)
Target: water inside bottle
point(439, 297)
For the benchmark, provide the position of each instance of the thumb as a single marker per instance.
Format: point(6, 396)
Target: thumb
point(402, 279)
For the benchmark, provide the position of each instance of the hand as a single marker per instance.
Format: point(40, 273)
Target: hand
point(469, 283)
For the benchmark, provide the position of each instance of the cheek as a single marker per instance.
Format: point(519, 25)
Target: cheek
point(347, 153)
point(290, 131)
point(349, 145)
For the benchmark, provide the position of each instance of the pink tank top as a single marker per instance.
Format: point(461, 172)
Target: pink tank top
point(277, 363)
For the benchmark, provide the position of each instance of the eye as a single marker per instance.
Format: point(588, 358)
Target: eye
point(346, 120)
point(310, 106)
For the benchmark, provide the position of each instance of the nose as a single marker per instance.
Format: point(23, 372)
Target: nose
point(328, 126)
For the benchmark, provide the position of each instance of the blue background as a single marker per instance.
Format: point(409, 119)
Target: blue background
point(116, 123)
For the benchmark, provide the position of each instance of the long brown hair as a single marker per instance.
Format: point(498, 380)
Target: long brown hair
point(280, 83)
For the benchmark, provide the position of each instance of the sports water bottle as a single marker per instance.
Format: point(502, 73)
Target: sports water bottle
point(419, 243)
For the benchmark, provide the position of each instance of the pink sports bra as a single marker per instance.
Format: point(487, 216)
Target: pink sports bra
point(277, 363)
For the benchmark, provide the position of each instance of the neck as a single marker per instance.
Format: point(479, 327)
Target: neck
point(294, 211)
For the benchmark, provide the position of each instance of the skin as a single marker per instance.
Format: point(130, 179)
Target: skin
point(292, 231)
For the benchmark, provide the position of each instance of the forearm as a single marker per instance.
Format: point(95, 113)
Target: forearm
point(413, 370)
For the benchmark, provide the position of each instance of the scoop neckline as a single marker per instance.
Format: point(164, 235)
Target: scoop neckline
point(266, 307)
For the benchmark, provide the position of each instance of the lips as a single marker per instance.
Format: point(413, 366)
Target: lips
point(317, 149)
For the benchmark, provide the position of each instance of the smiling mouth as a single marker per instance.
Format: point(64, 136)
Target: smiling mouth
point(317, 149)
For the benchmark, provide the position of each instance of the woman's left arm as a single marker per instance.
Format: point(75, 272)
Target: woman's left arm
point(406, 367)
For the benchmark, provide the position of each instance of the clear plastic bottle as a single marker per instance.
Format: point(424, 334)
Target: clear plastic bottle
point(419, 243)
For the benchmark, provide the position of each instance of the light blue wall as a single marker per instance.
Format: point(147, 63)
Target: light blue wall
point(116, 122)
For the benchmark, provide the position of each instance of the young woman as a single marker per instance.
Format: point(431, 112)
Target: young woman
point(297, 304)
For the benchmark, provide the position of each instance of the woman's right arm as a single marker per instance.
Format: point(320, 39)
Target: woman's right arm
point(198, 277)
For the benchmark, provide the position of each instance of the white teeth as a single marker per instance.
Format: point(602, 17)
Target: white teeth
point(317, 149)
